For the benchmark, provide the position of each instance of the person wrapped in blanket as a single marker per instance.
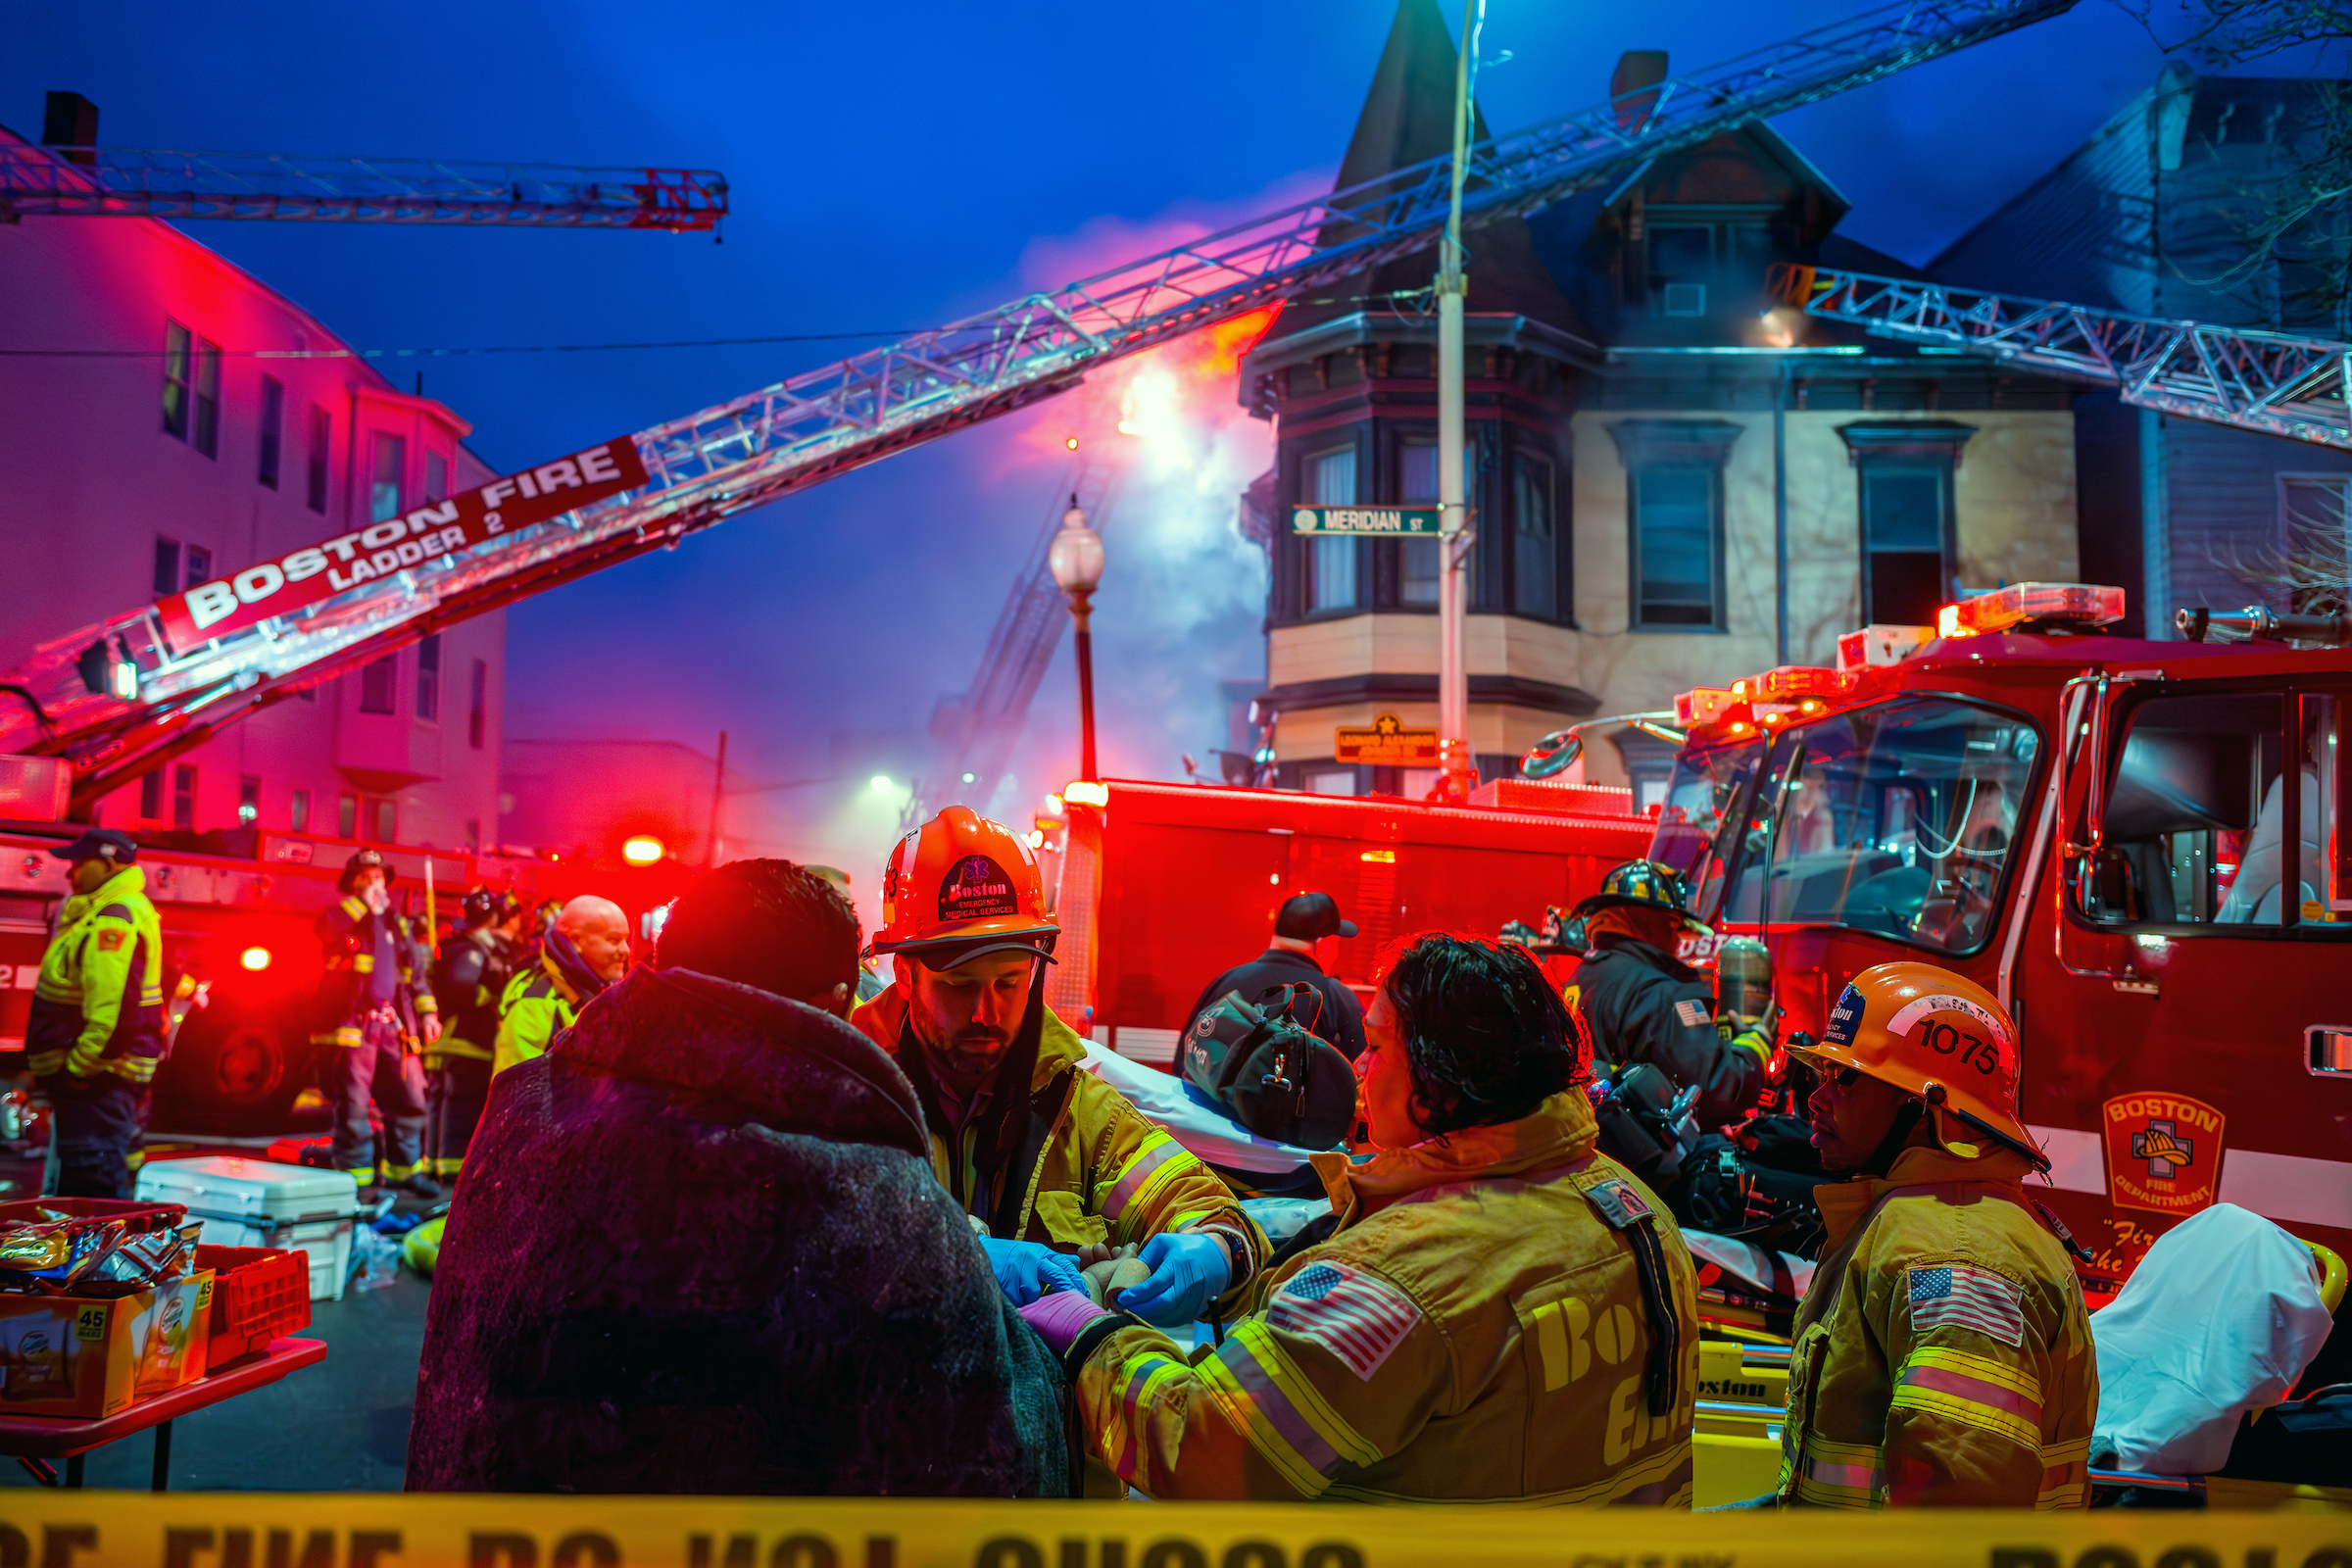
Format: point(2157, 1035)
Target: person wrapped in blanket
point(1493, 1310)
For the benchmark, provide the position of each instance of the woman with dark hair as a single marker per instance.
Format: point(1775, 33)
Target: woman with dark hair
point(1491, 1311)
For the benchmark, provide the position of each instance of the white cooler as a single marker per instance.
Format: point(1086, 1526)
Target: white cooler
point(251, 1203)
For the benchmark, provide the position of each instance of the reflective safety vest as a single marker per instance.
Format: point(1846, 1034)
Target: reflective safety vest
point(98, 1006)
point(535, 1005)
point(1501, 1315)
point(1944, 1355)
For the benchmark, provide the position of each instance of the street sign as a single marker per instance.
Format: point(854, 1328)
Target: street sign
point(1387, 743)
point(1365, 519)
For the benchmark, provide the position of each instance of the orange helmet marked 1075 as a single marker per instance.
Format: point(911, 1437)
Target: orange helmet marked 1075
point(961, 886)
point(1937, 1037)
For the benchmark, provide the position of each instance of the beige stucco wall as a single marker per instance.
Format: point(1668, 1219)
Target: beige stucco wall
point(1401, 644)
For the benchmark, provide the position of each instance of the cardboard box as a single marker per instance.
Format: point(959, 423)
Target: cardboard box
point(70, 1356)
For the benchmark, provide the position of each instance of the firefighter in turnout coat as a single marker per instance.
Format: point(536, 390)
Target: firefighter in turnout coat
point(374, 1010)
point(1492, 1311)
point(1943, 1355)
point(468, 980)
point(96, 1028)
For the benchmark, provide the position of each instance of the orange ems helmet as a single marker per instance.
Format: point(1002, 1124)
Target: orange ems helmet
point(1943, 1039)
point(961, 886)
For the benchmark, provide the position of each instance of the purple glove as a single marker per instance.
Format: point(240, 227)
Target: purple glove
point(1059, 1318)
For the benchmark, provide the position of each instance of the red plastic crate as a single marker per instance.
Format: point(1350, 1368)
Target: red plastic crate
point(142, 1214)
point(260, 1294)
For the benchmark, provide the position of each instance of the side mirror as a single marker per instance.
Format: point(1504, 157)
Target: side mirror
point(1553, 754)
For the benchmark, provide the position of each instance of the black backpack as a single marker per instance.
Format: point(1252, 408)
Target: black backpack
point(1268, 1070)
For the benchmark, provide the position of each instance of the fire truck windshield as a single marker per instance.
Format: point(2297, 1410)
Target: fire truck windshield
point(1899, 818)
point(1706, 805)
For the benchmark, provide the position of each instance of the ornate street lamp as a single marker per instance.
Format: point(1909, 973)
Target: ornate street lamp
point(1076, 562)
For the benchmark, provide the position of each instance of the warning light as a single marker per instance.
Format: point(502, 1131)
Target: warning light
point(642, 850)
point(1378, 856)
point(1071, 443)
point(879, 783)
point(1037, 839)
point(1087, 793)
point(255, 959)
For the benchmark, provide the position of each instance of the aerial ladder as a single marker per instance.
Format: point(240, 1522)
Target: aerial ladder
point(120, 697)
point(2276, 384)
point(976, 731)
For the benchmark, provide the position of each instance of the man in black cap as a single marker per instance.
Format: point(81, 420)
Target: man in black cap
point(1302, 919)
point(97, 1024)
point(376, 1010)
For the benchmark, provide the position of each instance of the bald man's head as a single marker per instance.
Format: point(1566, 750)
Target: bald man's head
point(600, 931)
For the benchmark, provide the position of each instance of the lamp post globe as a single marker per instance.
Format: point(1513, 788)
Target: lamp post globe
point(1076, 562)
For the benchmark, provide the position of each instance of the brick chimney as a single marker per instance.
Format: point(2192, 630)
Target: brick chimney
point(70, 119)
point(1637, 69)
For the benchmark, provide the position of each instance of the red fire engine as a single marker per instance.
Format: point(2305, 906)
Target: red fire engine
point(2093, 827)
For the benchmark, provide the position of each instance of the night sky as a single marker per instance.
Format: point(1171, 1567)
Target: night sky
point(891, 171)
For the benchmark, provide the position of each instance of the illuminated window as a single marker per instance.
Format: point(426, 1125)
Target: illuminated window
point(1417, 558)
point(375, 686)
point(1330, 559)
point(477, 706)
point(388, 458)
point(183, 796)
point(274, 421)
point(249, 801)
point(429, 679)
point(298, 812)
point(323, 434)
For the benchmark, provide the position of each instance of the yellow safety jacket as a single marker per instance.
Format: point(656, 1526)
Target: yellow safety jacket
point(535, 1006)
point(1500, 1315)
point(98, 1006)
point(1103, 1172)
point(347, 947)
point(1944, 1355)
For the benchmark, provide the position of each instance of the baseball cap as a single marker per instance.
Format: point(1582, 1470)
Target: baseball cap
point(101, 844)
point(1305, 917)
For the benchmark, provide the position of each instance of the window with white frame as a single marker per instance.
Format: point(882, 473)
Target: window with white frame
point(1331, 558)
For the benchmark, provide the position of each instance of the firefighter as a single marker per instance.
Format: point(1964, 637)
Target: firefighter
point(1492, 1312)
point(1290, 960)
point(1942, 1356)
point(1052, 1159)
point(1638, 1003)
point(468, 980)
point(585, 949)
point(374, 1010)
point(97, 1022)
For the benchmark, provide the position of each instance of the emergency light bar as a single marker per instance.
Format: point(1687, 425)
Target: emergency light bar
point(2078, 602)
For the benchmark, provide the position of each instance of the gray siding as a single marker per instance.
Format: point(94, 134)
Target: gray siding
point(2082, 232)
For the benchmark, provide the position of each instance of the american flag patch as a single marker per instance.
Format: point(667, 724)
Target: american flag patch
point(1354, 1316)
point(1959, 1297)
point(1691, 1011)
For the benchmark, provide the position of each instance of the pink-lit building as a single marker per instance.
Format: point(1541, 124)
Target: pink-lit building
point(170, 433)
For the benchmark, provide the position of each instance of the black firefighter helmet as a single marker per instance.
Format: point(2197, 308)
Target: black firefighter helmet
point(361, 862)
point(1646, 884)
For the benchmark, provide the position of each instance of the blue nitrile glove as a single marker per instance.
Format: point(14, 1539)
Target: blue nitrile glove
point(1027, 1270)
point(1189, 1270)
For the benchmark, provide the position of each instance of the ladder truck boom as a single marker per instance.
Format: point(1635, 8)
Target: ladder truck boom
point(136, 182)
point(120, 697)
point(2276, 383)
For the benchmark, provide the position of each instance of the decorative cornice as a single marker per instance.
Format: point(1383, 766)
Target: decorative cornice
point(1399, 686)
point(1900, 438)
point(1642, 442)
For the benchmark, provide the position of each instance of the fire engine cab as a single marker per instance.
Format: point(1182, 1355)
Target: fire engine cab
point(2138, 846)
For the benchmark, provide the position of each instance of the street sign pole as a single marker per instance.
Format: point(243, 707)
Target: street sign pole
point(1453, 533)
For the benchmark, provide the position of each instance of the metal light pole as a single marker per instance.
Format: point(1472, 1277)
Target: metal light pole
point(1454, 525)
point(1076, 562)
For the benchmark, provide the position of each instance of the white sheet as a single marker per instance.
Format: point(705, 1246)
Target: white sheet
point(2221, 1317)
point(1215, 1138)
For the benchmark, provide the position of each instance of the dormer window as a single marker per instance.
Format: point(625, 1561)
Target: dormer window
point(1695, 266)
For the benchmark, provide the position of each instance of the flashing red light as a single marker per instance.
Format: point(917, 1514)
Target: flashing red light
point(642, 850)
point(1071, 443)
point(255, 959)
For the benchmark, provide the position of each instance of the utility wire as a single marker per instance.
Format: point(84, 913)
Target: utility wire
point(516, 348)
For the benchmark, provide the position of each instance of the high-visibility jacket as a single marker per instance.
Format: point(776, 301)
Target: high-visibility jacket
point(1502, 1315)
point(470, 981)
point(536, 1005)
point(1944, 1355)
point(1102, 1171)
point(98, 1006)
point(347, 932)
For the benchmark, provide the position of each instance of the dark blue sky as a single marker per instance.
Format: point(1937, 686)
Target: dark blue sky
point(891, 170)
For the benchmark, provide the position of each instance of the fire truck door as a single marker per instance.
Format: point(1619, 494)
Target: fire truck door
point(2183, 1043)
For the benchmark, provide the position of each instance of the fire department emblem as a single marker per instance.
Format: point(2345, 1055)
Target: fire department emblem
point(2164, 1153)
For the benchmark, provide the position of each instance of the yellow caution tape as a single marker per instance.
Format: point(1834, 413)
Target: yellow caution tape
point(377, 1530)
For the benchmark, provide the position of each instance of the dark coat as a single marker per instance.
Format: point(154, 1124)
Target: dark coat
point(1343, 1018)
point(1640, 1004)
point(699, 1248)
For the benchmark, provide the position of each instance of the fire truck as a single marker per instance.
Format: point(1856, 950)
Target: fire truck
point(1165, 886)
point(2138, 846)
